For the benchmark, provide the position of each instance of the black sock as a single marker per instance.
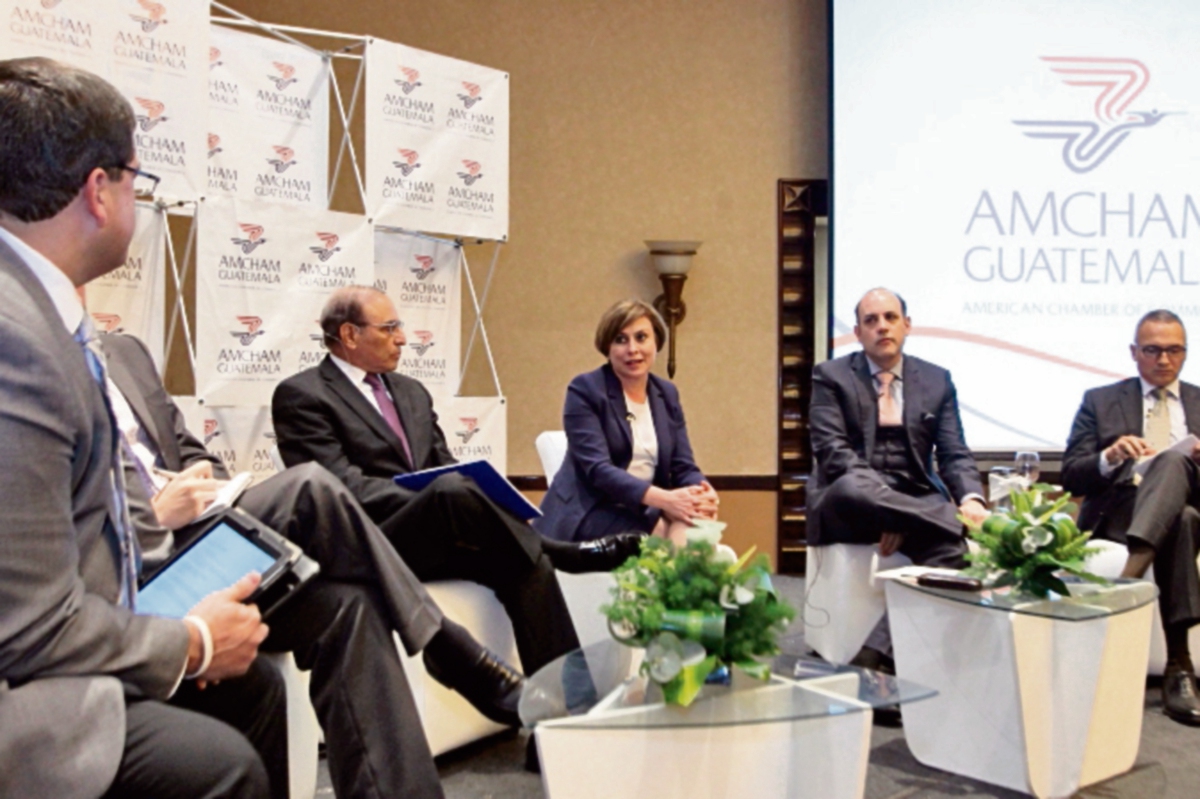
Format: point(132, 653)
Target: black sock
point(452, 652)
point(1178, 653)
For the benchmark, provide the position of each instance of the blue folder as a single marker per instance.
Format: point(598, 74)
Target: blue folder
point(494, 484)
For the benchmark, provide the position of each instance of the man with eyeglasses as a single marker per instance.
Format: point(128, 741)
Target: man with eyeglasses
point(1156, 517)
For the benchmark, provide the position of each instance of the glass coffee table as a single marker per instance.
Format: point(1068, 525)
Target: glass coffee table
point(1041, 696)
point(603, 731)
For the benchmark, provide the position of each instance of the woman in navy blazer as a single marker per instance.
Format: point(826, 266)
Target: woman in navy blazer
point(611, 415)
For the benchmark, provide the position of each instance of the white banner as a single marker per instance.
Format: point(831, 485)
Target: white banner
point(158, 59)
point(436, 142)
point(476, 428)
point(268, 119)
point(264, 271)
point(241, 437)
point(131, 299)
point(154, 52)
point(422, 278)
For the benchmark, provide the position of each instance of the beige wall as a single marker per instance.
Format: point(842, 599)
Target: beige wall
point(632, 120)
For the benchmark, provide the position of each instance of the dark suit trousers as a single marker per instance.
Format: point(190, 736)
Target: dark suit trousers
point(1165, 516)
point(188, 749)
point(340, 627)
point(861, 505)
point(451, 530)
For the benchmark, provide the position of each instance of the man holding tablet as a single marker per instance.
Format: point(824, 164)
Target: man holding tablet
point(81, 675)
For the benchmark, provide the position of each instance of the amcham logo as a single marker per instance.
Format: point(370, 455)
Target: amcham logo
point(285, 158)
point(424, 267)
point(410, 81)
point(154, 113)
point(472, 95)
point(254, 237)
point(214, 58)
point(474, 172)
point(286, 76)
point(424, 342)
point(253, 325)
point(214, 144)
point(154, 16)
point(470, 426)
point(210, 430)
point(108, 322)
point(328, 246)
point(409, 163)
point(1087, 143)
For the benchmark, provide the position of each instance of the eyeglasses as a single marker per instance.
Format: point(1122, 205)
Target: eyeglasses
point(144, 184)
point(1153, 352)
point(389, 328)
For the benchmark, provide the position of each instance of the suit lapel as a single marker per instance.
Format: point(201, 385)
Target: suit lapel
point(1189, 395)
point(868, 401)
point(129, 390)
point(616, 405)
point(662, 431)
point(911, 385)
point(1131, 406)
point(340, 384)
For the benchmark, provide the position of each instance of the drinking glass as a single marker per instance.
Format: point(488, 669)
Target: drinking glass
point(1028, 466)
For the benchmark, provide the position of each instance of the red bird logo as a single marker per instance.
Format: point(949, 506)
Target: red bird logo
point(409, 163)
point(472, 96)
point(470, 428)
point(285, 160)
point(410, 80)
point(424, 267)
point(210, 430)
point(154, 15)
point(425, 338)
point(254, 237)
point(154, 113)
point(214, 144)
point(286, 76)
point(214, 58)
point(50, 3)
point(474, 172)
point(108, 322)
point(329, 242)
point(253, 330)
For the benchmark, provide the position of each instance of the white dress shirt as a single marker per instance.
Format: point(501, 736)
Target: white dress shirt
point(645, 440)
point(897, 387)
point(1174, 411)
point(358, 378)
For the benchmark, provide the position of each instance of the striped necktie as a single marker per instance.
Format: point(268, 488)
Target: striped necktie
point(85, 335)
point(1158, 422)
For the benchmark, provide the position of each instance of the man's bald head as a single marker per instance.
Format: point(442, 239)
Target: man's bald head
point(882, 325)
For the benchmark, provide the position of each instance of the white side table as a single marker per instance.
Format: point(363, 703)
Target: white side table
point(806, 734)
point(1042, 697)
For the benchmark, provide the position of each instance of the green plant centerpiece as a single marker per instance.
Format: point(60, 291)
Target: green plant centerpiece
point(695, 609)
point(1027, 545)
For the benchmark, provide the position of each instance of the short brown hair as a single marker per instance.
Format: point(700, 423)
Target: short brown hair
point(621, 316)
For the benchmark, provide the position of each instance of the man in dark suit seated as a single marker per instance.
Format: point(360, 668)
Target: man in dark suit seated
point(354, 415)
point(1157, 519)
point(878, 419)
point(340, 625)
point(90, 692)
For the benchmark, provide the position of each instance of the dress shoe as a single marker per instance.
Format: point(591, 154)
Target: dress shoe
point(874, 660)
point(1180, 700)
point(490, 685)
point(601, 555)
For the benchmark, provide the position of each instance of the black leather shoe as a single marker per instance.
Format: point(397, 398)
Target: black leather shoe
point(490, 685)
point(601, 555)
point(873, 659)
point(1180, 700)
point(533, 763)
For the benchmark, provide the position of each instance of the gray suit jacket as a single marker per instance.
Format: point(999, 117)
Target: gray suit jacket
point(843, 418)
point(59, 578)
point(1106, 414)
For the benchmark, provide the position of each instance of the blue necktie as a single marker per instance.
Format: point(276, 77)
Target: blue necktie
point(85, 334)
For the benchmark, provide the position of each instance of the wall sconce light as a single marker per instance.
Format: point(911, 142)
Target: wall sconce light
point(672, 260)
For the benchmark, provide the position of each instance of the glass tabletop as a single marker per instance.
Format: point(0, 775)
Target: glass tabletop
point(599, 686)
point(1087, 600)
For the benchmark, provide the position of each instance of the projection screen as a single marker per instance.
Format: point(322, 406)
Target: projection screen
point(1027, 176)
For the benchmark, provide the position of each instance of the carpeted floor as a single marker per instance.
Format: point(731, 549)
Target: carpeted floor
point(1168, 765)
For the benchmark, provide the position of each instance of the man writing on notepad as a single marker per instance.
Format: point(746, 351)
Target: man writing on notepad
point(1155, 515)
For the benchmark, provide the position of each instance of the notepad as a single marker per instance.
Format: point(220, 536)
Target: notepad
point(497, 487)
point(1184, 445)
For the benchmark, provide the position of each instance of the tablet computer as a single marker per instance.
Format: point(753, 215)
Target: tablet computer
point(231, 546)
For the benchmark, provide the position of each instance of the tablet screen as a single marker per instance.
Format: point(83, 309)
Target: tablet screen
point(218, 560)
